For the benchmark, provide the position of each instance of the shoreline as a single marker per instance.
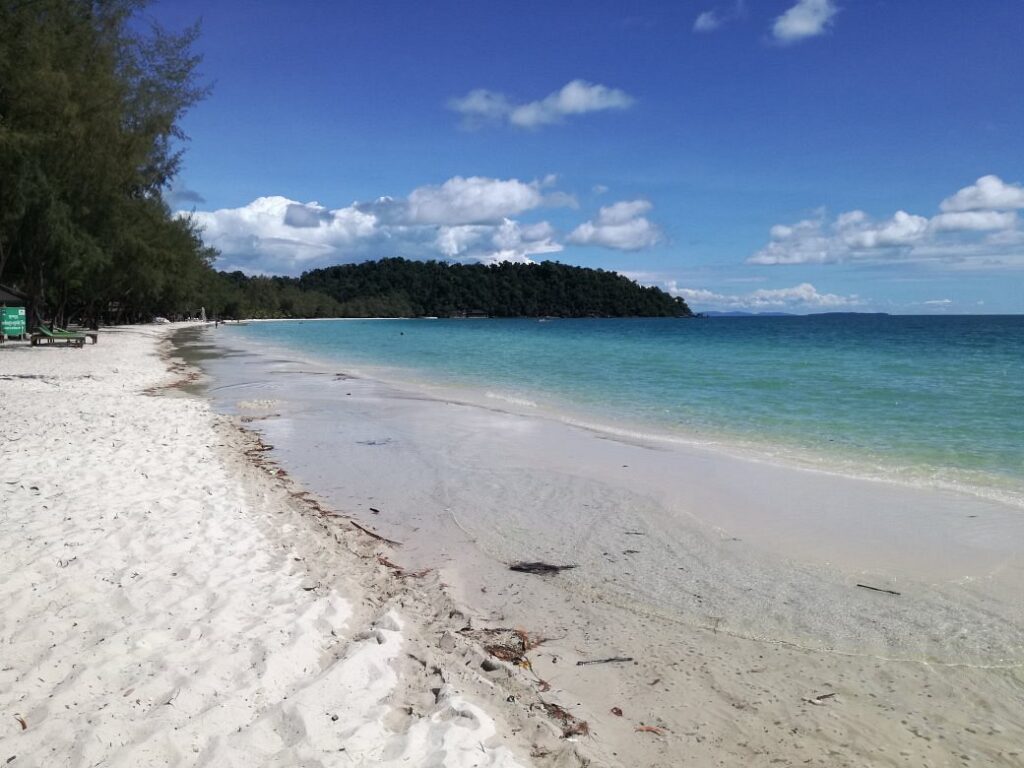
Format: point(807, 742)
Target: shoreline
point(788, 452)
point(915, 501)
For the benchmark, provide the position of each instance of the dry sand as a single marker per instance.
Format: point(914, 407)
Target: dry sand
point(172, 597)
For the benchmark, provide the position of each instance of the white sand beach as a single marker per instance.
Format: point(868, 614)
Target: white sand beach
point(172, 596)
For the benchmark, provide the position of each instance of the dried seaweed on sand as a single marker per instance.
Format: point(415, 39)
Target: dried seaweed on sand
point(571, 725)
point(509, 645)
point(376, 536)
point(401, 572)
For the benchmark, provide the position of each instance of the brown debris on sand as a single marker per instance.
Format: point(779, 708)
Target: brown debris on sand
point(538, 568)
point(610, 660)
point(376, 536)
point(879, 589)
point(509, 645)
point(571, 725)
point(400, 572)
point(650, 729)
point(820, 699)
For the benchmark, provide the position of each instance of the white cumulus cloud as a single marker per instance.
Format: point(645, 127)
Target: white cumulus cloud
point(261, 231)
point(708, 21)
point(970, 232)
point(473, 200)
point(620, 226)
point(797, 298)
point(463, 218)
point(508, 241)
point(577, 97)
point(979, 221)
point(986, 194)
point(481, 106)
point(808, 18)
point(716, 18)
point(901, 229)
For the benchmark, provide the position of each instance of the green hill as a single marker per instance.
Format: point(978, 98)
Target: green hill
point(402, 288)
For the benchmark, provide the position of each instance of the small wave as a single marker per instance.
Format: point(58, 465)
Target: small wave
point(520, 401)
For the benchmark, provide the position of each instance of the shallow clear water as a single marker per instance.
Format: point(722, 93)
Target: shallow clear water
point(927, 400)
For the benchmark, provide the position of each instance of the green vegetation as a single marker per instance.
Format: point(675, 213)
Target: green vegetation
point(403, 288)
point(90, 139)
point(397, 287)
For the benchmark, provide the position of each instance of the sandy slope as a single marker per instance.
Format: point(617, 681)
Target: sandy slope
point(163, 605)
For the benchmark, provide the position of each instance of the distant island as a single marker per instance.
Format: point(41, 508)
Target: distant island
point(740, 313)
point(395, 287)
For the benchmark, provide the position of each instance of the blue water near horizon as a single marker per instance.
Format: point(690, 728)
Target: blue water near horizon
point(935, 401)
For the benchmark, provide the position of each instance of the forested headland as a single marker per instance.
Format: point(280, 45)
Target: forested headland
point(91, 103)
point(399, 287)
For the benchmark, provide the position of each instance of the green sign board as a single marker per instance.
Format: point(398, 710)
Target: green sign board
point(12, 321)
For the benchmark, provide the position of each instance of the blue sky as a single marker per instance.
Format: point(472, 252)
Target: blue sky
point(797, 155)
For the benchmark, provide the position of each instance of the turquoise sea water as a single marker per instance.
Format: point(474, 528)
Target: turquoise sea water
point(925, 400)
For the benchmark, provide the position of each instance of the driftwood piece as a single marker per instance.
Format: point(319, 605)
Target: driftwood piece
point(610, 660)
point(538, 568)
point(878, 589)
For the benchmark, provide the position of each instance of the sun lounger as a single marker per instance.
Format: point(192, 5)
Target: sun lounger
point(93, 335)
point(48, 336)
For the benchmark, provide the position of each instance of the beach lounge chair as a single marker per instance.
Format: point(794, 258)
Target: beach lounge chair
point(49, 336)
point(92, 335)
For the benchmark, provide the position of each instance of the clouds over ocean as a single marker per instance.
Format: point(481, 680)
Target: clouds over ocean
point(975, 228)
